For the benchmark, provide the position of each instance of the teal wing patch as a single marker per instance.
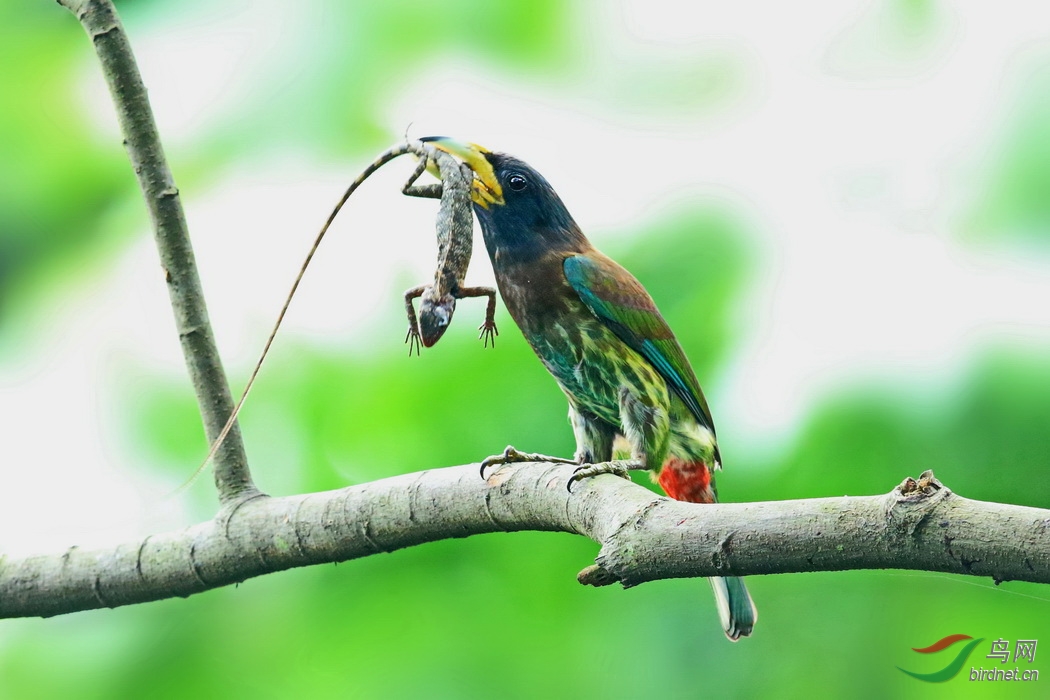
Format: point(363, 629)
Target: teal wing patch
point(621, 303)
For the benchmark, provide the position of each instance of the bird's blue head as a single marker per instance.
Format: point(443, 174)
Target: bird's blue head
point(521, 215)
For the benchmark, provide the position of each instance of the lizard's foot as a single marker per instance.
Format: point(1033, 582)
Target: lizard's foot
point(412, 338)
point(511, 455)
point(618, 467)
point(488, 333)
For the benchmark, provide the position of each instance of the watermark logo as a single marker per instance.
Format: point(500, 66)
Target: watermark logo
point(1023, 650)
point(954, 666)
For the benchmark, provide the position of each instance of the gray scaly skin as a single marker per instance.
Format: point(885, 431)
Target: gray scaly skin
point(455, 235)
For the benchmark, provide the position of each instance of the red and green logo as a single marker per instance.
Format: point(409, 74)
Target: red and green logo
point(954, 666)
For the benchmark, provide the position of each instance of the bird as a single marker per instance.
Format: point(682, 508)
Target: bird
point(598, 332)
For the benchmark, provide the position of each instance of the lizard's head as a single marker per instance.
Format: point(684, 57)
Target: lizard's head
point(434, 316)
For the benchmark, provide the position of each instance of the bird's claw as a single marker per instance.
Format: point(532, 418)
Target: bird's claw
point(616, 468)
point(511, 455)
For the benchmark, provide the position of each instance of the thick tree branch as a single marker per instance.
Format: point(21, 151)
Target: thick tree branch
point(919, 525)
point(142, 141)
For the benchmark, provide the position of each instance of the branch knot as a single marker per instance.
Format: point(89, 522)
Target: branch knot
point(910, 504)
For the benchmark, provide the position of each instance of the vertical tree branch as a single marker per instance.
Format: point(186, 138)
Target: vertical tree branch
point(99, 18)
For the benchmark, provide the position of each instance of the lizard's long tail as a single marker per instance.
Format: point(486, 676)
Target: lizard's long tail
point(415, 147)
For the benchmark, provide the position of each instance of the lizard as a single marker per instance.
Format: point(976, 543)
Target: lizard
point(455, 235)
point(454, 256)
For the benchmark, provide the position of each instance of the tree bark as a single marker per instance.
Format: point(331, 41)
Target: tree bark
point(142, 141)
point(919, 525)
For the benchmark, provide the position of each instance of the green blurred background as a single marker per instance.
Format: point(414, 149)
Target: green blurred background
point(843, 209)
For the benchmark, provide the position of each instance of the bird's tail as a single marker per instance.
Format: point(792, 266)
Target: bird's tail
point(691, 481)
point(735, 607)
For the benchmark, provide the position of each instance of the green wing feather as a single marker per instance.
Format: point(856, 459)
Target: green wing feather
point(621, 303)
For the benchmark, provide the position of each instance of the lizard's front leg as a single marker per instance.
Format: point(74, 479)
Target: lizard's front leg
point(412, 338)
point(488, 328)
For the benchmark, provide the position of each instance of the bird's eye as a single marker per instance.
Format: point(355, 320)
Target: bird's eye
point(517, 182)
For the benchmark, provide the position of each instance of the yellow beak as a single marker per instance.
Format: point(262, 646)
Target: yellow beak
point(486, 189)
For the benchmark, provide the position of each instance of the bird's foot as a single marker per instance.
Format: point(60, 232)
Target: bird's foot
point(511, 455)
point(617, 467)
